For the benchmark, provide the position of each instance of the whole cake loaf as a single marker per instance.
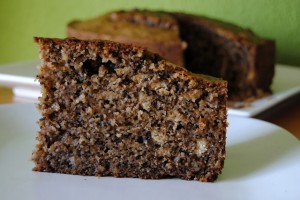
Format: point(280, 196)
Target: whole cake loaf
point(203, 45)
point(111, 109)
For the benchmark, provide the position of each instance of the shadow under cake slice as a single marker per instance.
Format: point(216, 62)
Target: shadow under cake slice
point(111, 109)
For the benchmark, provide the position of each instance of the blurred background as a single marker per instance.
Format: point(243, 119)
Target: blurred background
point(21, 20)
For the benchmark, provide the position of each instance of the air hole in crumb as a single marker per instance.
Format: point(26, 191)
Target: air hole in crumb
point(179, 127)
point(191, 126)
point(140, 139)
point(51, 140)
point(102, 124)
point(154, 104)
point(209, 135)
point(126, 81)
point(204, 94)
point(110, 67)
point(148, 136)
point(126, 134)
point(164, 75)
point(72, 68)
point(91, 66)
point(197, 101)
point(127, 123)
point(52, 115)
point(176, 86)
point(80, 80)
point(125, 94)
point(184, 152)
point(142, 109)
point(77, 93)
point(107, 166)
point(155, 123)
point(106, 149)
point(114, 53)
point(145, 164)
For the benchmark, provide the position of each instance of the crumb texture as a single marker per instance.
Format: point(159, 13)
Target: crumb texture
point(110, 109)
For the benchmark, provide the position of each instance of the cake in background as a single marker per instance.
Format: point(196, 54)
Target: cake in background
point(201, 44)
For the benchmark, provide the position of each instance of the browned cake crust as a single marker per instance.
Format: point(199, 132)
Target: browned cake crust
point(110, 109)
point(156, 31)
point(217, 48)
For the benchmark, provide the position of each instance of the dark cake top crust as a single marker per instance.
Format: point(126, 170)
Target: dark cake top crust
point(116, 48)
point(222, 28)
point(136, 25)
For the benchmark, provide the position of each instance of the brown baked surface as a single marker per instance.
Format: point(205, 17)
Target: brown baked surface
point(111, 109)
point(153, 30)
point(225, 50)
point(213, 47)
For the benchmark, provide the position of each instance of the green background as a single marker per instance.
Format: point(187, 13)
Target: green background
point(21, 20)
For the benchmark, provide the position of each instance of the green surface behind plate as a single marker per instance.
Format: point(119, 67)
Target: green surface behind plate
point(20, 20)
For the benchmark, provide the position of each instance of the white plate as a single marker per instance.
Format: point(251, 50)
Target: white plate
point(21, 78)
point(286, 83)
point(263, 162)
point(22, 73)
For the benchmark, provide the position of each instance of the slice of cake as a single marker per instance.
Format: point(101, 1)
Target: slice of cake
point(153, 30)
point(110, 109)
point(216, 48)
